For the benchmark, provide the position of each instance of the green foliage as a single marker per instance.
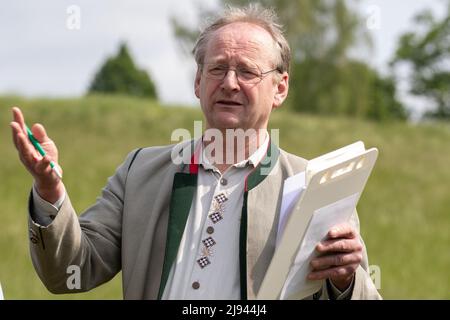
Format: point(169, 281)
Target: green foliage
point(403, 210)
point(324, 80)
point(427, 51)
point(352, 88)
point(317, 29)
point(120, 75)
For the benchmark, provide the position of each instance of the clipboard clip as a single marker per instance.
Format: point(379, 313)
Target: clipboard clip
point(342, 170)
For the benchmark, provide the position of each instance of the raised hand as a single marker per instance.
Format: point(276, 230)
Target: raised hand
point(48, 184)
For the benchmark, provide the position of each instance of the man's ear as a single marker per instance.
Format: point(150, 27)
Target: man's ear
point(198, 76)
point(281, 90)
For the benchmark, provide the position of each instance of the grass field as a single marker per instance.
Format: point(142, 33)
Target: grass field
point(404, 210)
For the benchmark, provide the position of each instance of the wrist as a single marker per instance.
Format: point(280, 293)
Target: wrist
point(342, 283)
point(50, 194)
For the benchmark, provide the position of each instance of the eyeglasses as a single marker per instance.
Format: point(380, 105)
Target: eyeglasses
point(244, 74)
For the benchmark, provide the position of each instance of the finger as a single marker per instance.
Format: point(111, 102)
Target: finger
point(341, 271)
point(15, 129)
point(43, 166)
point(23, 145)
point(39, 133)
point(26, 150)
point(19, 118)
point(335, 260)
point(339, 245)
point(344, 230)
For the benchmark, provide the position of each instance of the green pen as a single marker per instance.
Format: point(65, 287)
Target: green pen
point(38, 147)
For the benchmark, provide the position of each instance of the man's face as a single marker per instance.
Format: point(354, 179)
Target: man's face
point(230, 103)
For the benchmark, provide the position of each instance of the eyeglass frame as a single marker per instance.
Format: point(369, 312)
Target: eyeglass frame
point(260, 77)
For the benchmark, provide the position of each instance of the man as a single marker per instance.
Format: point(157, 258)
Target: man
point(204, 228)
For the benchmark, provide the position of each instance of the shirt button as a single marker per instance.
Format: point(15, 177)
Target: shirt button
point(196, 285)
point(223, 181)
point(210, 230)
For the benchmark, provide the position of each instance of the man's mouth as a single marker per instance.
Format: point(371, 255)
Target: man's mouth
point(231, 103)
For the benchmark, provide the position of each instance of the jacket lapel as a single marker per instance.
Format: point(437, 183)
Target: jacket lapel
point(258, 213)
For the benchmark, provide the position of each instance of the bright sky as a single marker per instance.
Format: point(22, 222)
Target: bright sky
point(42, 54)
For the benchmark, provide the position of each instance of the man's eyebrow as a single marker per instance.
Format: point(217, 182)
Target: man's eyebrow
point(221, 60)
point(218, 60)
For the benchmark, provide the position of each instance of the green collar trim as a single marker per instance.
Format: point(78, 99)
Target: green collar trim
point(263, 169)
point(184, 186)
point(243, 249)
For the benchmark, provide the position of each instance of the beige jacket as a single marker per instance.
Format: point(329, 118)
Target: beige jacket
point(137, 223)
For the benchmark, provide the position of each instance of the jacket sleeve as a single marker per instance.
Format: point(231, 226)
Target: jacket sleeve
point(74, 254)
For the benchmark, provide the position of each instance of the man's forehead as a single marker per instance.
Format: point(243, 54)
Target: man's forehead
point(243, 30)
point(246, 38)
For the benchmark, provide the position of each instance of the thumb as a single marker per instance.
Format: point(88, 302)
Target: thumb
point(39, 133)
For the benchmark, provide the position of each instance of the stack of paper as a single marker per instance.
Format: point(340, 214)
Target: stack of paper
point(313, 202)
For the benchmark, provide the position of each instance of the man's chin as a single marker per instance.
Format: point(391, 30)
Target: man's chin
point(228, 123)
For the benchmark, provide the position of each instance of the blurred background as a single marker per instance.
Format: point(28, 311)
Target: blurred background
point(99, 71)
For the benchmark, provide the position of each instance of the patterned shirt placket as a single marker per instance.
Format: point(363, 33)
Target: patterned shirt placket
point(216, 215)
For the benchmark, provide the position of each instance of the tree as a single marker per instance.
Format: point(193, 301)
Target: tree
point(351, 88)
point(428, 53)
point(324, 79)
point(119, 74)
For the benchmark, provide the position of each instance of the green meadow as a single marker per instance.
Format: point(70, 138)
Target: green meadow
point(404, 210)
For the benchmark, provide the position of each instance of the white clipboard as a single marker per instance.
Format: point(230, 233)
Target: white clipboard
point(337, 179)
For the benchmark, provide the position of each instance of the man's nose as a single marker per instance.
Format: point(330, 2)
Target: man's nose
point(230, 81)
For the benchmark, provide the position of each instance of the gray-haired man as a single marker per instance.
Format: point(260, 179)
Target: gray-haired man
point(204, 229)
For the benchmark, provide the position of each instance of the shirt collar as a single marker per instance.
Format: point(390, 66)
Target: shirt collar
point(254, 159)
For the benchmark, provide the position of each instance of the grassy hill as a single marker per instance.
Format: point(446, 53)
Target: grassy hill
point(404, 211)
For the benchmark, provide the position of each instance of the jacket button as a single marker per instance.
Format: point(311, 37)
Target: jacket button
point(32, 232)
point(223, 181)
point(210, 230)
point(196, 285)
point(33, 236)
